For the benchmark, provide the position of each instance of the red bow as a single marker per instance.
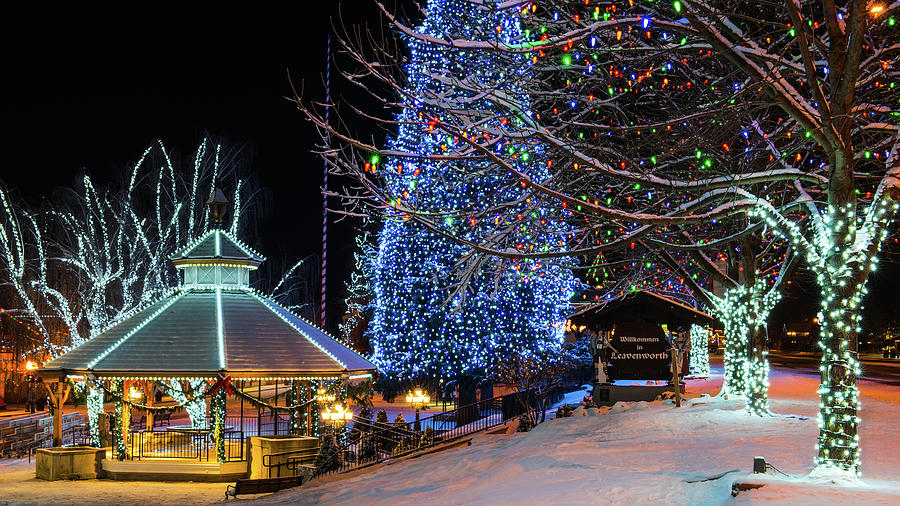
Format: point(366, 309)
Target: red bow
point(222, 382)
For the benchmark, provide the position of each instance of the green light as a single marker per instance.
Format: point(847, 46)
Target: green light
point(653, 159)
point(793, 32)
point(891, 22)
point(567, 60)
point(677, 6)
point(699, 154)
point(374, 160)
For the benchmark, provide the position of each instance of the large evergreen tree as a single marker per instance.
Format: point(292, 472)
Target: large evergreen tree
point(441, 310)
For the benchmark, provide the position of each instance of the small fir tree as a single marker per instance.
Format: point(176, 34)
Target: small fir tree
point(330, 458)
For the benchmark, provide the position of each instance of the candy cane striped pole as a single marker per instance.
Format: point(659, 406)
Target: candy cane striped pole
point(325, 180)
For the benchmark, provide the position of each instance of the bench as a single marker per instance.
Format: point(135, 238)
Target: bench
point(161, 419)
point(140, 424)
point(262, 485)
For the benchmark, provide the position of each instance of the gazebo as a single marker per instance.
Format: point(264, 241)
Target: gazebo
point(212, 336)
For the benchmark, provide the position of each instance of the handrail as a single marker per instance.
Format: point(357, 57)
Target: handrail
point(290, 462)
point(390, 440)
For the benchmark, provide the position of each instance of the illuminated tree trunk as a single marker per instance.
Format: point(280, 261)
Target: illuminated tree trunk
point(838, 443)
point(731, 311)
point(195, 406)
point(758, 372)
point(699, 351)
point(735, 360)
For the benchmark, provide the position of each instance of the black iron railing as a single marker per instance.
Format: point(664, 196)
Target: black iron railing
point(190, 444)
point(373, 442)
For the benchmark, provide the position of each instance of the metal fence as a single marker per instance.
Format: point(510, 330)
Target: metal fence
point(190, 444)
point(370, 442)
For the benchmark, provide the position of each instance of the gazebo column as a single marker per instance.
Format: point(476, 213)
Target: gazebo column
point(59, 392)
point(295, 414)
point(120, 430)
point(149, 387)
point(217, 403)
point(309, 408)
point(94, 401)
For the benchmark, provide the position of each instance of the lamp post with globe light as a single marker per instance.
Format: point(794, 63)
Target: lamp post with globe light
point(418, 400)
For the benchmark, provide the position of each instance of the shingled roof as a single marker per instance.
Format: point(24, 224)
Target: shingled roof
point(217, 244)
point(210, 330)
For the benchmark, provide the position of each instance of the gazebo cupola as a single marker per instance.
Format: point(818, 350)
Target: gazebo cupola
point(216, 259)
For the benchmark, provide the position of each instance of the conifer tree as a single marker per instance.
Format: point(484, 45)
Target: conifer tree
point(441, 311)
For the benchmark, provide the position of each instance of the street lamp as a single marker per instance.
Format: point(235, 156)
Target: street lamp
point(217, 205)
point(323, 398)
point(418, 400)
point(338, 417)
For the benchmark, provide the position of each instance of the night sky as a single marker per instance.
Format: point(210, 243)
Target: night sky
point(92, 93)
point(93, 90)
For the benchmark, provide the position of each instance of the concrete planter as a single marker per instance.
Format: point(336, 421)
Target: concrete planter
point(69, 463)
point(275, 450)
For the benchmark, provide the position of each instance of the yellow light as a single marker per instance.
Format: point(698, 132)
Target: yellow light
point(417, 398)
point(30, 366)
point(876, 9)
point(134, 394)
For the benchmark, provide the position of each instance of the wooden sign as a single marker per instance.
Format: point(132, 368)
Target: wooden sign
point(640, 352)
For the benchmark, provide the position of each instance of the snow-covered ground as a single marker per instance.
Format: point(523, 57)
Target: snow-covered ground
point(644, 453)
point(638, 453)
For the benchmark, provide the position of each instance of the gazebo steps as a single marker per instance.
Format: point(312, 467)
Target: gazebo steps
point(173, 470)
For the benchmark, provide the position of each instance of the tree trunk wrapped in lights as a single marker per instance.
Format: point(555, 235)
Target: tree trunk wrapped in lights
point(193, 401)
point(699, 365)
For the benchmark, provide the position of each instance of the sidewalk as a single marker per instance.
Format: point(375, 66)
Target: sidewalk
point(871, 358)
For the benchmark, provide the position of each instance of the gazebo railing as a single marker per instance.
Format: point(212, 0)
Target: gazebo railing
point(187, 444)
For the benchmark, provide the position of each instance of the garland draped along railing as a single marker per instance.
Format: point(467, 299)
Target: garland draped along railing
point(208, 391)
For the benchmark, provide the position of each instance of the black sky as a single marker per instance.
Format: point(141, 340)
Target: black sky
point(91, 90)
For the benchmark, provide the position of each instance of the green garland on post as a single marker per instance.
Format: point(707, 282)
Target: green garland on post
point(94, 402)
point(121, 424)
point(140, 407)
point(295, 416)
point(217, 405)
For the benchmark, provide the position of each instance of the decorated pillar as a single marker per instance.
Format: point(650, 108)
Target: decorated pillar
point(148, 392)
point(295, 414)
point(218, 409)
point(120, 427)
point(94, 409)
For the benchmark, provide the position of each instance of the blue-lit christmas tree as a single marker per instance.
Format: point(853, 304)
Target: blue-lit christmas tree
point(423, 329)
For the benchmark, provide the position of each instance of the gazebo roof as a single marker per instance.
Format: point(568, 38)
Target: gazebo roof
point(211, 328)
point(214, 245)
